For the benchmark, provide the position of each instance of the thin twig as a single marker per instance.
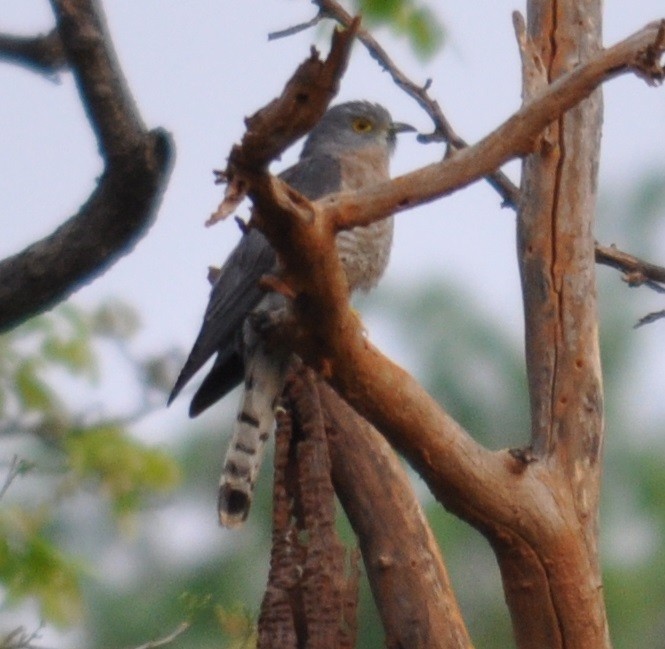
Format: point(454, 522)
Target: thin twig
point(19, 638)
point(637, 272)
point(443, 131)
point(290, 31)
point(168, 639)
point(649, 318)
point(15, 467)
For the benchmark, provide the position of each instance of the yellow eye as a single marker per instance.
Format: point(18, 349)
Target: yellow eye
point(362, 125)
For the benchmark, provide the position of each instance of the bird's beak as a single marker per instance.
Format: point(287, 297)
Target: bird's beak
point(393, 129)
point(401, 127)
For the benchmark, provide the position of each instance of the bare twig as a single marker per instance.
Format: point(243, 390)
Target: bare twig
point(167, 639)
point(637, 272)
point(15, 468)
point(120, 209)
point(650, 317)
point(19, 638)
point(290, 31)
point(44, 54)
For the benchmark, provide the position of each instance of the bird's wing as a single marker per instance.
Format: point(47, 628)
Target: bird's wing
point(237, 292)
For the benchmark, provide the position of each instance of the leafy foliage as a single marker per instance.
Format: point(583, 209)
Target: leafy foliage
point(407, 18)
point(39, 364)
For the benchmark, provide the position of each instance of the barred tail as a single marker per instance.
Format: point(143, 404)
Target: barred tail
point(264, 379)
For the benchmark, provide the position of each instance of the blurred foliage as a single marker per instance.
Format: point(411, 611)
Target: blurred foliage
point(88, 533)
point(42, 364)
point(410, 19)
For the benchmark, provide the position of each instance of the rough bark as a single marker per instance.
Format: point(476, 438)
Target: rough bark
point(556, 250)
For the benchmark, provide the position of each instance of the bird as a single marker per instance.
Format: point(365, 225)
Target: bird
point(347, 150)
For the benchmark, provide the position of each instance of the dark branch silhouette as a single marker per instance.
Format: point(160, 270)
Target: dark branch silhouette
point(124, 203)
point(43, 54)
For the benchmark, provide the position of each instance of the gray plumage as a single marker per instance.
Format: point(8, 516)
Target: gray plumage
point(347, 150)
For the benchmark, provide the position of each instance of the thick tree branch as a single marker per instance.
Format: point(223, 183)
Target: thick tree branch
point(107, 100)
point(516, 137)
point(123, 205)
point(403, 562)
point(309, 599)
point(44, 54)
point(556, 257)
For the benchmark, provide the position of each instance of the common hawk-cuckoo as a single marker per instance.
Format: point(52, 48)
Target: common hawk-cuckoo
point(348, 149)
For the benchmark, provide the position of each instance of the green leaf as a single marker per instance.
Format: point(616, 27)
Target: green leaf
point(75, 354)
point(32, 392)
point(128, 470)
point(31, 567)
point(418, 23)
point(425, 33)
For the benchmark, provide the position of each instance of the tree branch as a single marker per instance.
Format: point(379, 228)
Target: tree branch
point(636, 271)
point(44, 54)
point(457, 469)
point(403, 562)
point(443, 130)
point(122, 206)
point(556, 258)
point(516, 137)
point(309, 600)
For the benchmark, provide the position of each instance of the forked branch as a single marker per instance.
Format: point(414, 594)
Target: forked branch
point(122, 206)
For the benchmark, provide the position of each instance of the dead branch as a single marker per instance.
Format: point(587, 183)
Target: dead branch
point(276, 126)
point(308, 596)
point(44, 54)
point(122, 206)
point(637, 272)
point(403, 562)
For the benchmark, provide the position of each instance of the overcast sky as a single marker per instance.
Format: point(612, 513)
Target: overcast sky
point(196, 68)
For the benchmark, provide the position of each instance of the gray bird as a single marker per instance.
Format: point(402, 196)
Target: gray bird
point(348, 149)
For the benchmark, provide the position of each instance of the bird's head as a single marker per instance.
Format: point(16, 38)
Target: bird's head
point(354, 125)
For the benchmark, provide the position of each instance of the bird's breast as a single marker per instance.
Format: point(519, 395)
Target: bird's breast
point(364, 253)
